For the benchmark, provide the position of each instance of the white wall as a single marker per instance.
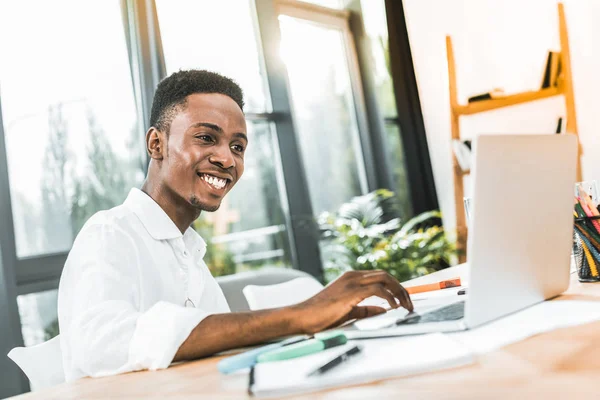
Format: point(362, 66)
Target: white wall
point(502, 43)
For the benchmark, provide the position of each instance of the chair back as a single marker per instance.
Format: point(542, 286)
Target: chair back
point(41, 363)
point(281, 294)
point(232, 285)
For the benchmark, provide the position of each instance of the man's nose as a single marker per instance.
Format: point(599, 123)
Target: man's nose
point(222, 157)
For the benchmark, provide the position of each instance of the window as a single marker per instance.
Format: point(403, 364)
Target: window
point(39, 316)
point(373, 12)
point(218, 36)
point(259, 238)
point(72, 142)
point(324, 112)
point(395, 152)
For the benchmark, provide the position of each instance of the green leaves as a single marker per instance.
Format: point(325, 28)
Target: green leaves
point(366, 234)
point(371, 208)
point(420, 219)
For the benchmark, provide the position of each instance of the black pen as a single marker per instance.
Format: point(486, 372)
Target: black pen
point(336, 361)
point(251, 380)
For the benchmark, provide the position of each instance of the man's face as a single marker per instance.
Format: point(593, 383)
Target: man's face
point(205, 150)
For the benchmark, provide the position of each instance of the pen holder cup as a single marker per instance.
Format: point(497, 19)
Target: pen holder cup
point(586, 248)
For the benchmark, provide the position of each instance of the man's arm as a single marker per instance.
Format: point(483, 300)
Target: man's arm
point(334, 305)
point(219, 332)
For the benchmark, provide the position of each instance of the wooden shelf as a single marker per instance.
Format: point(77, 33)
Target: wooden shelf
point(564, 88)
point(506, 101)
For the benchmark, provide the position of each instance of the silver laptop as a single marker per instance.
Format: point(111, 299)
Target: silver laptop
point(520, 235)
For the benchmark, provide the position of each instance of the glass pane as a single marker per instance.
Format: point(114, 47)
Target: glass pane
point(39, 316)
point(323, 111)
point(69, 115)
point(220, 36)
point(248, 231)
point(396, 157)
point(374, 18)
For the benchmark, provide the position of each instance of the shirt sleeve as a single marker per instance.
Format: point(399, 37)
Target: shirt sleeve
point(103, 331)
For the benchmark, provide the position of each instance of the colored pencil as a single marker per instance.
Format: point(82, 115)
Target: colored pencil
point(588, 248)
point(589, 212)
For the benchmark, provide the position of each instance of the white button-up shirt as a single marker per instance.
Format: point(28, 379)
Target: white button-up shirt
point(124, 287)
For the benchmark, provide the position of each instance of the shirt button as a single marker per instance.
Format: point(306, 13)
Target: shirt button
point(185, 253)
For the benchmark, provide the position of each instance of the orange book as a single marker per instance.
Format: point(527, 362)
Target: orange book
point(449, 283)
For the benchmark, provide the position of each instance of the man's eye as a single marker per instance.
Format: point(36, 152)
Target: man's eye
point(205, 138)
point(238, 148)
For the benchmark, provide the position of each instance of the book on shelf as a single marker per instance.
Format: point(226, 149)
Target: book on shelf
point(559, 125)
point(553, 70)
point(494, 94)
point(462, 151)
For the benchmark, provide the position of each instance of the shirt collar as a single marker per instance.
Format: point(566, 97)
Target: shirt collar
point(194, 241)
point(156, 221)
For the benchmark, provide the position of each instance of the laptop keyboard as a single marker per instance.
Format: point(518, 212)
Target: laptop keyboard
point(451, 312)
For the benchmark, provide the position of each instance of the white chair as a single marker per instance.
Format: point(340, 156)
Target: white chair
point(232, 285)
point(41, 363)
point(281, 294)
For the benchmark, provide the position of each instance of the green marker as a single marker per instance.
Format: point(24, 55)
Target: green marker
point(321, 342)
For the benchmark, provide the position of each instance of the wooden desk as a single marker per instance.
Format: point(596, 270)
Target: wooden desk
point(560, 364)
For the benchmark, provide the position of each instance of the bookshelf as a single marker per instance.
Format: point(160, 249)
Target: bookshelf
point(564, 88)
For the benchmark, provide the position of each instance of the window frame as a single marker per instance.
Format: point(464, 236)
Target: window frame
point(12, 381)
point(297, 208)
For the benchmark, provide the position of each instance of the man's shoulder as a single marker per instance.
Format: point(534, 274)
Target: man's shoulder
point(115, 224)
point(108, 234)
point(107, 242)
point(116, 217)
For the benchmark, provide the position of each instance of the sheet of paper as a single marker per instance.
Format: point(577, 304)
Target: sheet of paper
point(378, 359)
point(534, 320)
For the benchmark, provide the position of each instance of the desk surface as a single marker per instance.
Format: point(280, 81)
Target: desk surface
point(555, 365)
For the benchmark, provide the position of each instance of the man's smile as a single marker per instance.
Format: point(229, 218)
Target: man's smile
point(216, 182)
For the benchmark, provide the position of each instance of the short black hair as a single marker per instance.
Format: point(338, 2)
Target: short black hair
point(172, 92)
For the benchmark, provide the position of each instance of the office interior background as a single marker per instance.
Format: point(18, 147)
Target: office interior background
point(342, 97)
point(76, 84)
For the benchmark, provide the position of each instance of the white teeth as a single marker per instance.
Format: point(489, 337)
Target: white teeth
point(214, 181)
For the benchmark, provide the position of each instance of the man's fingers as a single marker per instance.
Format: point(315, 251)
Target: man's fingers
point(407, 303)
point(359, 312)
point(391, 284)
point(379, 290)
point(405, 300)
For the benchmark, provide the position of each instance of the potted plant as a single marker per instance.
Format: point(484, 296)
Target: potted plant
point(367, 234)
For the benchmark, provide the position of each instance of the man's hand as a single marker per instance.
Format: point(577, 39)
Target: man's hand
point(338, 302)
point(335, 304)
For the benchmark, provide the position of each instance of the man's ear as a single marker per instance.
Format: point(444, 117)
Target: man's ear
point(155, 143)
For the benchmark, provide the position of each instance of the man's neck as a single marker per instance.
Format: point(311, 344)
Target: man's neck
point(181, 212)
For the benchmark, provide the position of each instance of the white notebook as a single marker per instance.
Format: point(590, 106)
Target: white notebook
point(380, 358)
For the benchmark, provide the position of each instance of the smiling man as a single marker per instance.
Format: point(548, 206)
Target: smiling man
point(135, 292)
